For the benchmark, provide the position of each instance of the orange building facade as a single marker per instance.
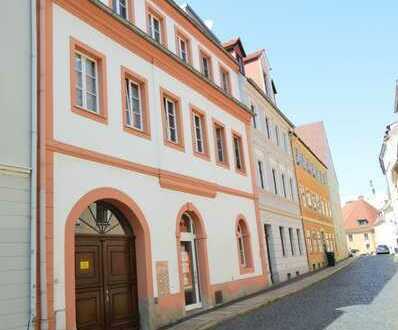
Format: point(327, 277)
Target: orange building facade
point(316, 214)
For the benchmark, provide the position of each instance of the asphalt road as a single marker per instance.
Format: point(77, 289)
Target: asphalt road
point(364, 296)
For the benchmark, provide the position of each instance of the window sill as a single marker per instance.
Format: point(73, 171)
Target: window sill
point(137, 132)
point(179, 147)
point(99, 117)
point(204, 156)
point(246, 270)
point(223, 164)
point(241, 172)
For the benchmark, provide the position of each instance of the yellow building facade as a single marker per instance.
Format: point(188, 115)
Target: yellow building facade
point(316, 214)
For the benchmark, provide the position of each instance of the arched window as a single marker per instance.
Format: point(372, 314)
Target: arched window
point(244, 247)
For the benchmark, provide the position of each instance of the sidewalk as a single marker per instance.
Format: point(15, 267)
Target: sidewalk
point(220, 314)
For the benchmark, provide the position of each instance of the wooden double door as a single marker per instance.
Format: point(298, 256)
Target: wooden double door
point(106, 283)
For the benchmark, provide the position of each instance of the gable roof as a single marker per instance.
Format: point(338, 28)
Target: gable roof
point(359, 209)
point(229, 45)
point(253, 56)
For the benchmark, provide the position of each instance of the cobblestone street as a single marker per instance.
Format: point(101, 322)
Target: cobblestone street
point(363, 296)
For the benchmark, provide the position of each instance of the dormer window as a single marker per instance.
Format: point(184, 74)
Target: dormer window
point(239, 59)
point(362, 222)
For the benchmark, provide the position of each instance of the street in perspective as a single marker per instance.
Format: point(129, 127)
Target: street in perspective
point(204, 165)
point(362, 296)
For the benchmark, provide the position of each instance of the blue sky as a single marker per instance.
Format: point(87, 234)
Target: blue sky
point(334, 61)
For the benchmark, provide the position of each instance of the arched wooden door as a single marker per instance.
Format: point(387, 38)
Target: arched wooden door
point(106, 281)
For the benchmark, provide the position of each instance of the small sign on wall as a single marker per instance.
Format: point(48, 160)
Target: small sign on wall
point(84, 265)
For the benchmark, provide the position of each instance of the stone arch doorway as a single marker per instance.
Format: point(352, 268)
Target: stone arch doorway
point(108, 272)
point(105, 270)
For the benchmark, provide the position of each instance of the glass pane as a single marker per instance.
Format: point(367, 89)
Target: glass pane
point(91, 102)
point(137, 120)
point(98, 219)
point(188, 270)
point(79, 79)
point(78, 62)
point(79, 97)
point(91, 85)
point(90, 67)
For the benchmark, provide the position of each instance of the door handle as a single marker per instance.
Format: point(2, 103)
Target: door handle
point(107, 296)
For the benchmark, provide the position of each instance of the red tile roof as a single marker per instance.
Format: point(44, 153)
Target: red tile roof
point(253, 56)
point(359, 209)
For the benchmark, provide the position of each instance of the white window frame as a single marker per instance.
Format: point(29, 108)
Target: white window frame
point(117, 4)
point(260, 169)
point(84, 57)
point(167, 101)
point(205, 68)
point(151, 26)
point(241, 244)
point(237, 141)
point(199, 140)
point(275, 181)
point(183, 54)
point(131, 112)
point(283, 178)
point(220, 143)
point(225, 81)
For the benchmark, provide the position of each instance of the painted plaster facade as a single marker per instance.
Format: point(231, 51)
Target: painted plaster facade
point(16, 214)
point(276, 180)
point(387, 227)
point(89, 157)
point(311, 176)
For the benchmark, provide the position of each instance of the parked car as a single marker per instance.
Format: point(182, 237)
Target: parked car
point(382, 249)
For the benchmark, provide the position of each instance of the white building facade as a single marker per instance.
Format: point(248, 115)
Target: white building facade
point(386, 228)
point(276, 180)
point(147, 182)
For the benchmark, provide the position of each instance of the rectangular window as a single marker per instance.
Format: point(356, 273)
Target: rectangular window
point(284, 185)
point(254, 116)
point(120, 8)
point(134, 105)
point(291, 189)
point(282, 235)
point(183, 46)
point(156, 25)
point(309, 240)
point(205, 65)
point(285, 146)
point(260, 173)
point(220, 142)
point(267, 127)
point(171, 120)
point(135, 102)
point(299, 241)
point(225, 80)
point(366, 236)
point(88, 78)
point(274, 180)
point(199, 133)
point(291, 240)
point(277, 135)
point(172, 123)
point(86, 83)
point(238, 152)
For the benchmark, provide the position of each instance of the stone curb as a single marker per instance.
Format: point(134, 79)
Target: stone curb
point(214, 317)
